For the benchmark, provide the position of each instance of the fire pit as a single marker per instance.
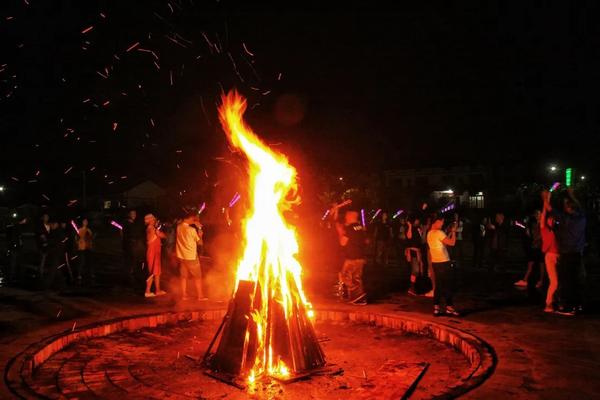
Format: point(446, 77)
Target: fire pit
point(158, 356)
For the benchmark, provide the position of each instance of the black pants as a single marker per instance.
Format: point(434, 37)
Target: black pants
point(569, 287)
point(135, 254)
point(478, 254)
point(443, 273)
point(86, 266)
point(498, 259)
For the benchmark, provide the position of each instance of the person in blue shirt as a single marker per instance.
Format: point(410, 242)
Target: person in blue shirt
point(570, 237)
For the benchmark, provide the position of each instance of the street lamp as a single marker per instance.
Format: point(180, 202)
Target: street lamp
point(1, 188)
point(582, 177)
point(553, 168)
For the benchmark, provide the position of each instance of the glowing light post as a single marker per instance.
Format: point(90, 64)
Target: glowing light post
point(568, 176)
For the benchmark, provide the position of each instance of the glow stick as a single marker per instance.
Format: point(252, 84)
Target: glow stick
point(325, 215)
point(555, 186)
point(116, 225)
point(234, 199)
point(74, 225)
point(397, 213)
point(376, 214)
point(345, 203)
point(202, 207)
point(362, 216)
point(520, 225)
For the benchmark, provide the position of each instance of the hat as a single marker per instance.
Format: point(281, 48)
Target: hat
point(148, 218)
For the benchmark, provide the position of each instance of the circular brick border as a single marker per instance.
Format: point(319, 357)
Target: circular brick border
point(18, 371)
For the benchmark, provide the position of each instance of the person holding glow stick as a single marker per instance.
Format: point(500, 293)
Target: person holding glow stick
point(353, 239)
point(533, 250)
point(153, 255)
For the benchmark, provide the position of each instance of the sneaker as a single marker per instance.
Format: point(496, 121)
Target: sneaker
point(437, 311)
point(161, 293)
point(202, 298)
point(429, 294)
point(185, 298)
point(362, 302)
point(359, 299)
point(566, 313)
point(549, 310)
point(451, 311)
point(539, 285)
point(412, 292)
point(149, 294)
point(521, 283)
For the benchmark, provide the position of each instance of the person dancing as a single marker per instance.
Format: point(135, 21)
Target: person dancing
point(153, 256)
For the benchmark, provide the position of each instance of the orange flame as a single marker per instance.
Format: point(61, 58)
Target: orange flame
point(271, 245)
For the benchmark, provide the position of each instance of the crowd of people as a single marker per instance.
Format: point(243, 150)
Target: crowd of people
point(431, 244)
point(65, 254)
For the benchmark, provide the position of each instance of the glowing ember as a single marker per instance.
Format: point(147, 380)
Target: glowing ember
point(279, 339)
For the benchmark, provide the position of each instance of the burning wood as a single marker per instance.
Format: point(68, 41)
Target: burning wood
point(267, 331)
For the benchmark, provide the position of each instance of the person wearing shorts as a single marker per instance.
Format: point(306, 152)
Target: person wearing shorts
point(186, 251)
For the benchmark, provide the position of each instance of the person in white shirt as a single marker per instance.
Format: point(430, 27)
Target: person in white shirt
point(186, 251)
point(443, 272)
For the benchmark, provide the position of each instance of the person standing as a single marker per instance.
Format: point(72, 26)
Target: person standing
point(383, 237)
point(533, 250)
point(353, 239)
point(85, 239)
point(153, 256)
point(14, 239)
point(42, 232)
point(133, 248)
point(186, 249)
point(478, 237)
point(498, 242)
point(443, 271)
point(54, 275)
point(457, 250)
point(570, 236)
point(413, 254)
point(550, 250)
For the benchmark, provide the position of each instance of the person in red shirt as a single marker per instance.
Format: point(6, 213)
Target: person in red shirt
point(550, 250)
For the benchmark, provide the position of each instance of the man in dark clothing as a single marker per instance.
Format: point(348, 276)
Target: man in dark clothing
point(134, 249)
point(42, 230)
point(383, 238)
point(570, 237)
point(353, 239)
point(499, 242)
point(56, 268)
point(14, 240)
point(478, 233)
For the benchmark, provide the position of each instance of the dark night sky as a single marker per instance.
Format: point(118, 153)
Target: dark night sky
point(362, 87)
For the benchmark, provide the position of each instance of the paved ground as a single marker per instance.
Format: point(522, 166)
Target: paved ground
point(540, 356)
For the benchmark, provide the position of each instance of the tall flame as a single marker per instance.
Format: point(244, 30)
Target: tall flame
point(271, 245)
